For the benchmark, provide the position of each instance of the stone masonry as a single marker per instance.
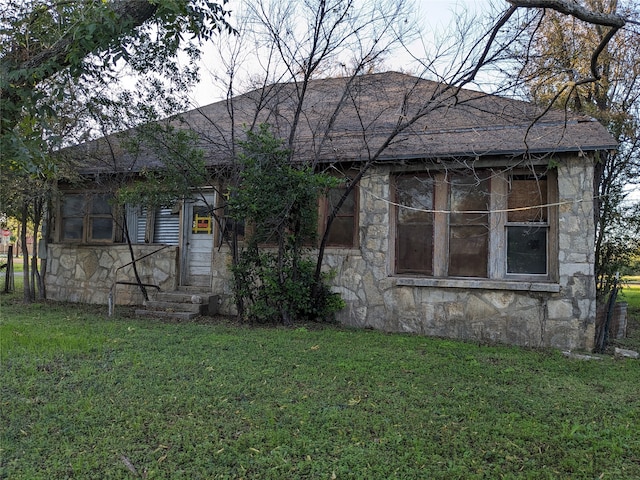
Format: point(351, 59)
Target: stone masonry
point(87, 274)
point(560, 315)
point(538, 314)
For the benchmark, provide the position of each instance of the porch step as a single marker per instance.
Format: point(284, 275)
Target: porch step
point(163, 314)
point(174, 306)
point(181, 305)
point(194, 298)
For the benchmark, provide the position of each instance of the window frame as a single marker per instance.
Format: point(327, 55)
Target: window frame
point(87, 216)
point(325, 211)
point(550, 225)
point(497, 224)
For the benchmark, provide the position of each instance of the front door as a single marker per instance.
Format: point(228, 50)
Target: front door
point(198, 241)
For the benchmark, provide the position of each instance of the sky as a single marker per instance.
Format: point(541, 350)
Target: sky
point(434, 16)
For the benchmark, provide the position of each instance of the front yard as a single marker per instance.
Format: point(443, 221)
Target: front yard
point(83, 396)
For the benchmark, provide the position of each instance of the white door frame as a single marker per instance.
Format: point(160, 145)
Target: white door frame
point(196, 247)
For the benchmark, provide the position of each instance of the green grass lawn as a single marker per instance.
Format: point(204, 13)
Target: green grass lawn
point(84, 396)
point(630, 293)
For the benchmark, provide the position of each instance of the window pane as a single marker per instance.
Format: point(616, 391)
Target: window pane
point(100, 205)
point(527, 250)
point(72, 228)
point(417, 194)
point(469, 193)
point(348, 207)
point(414, 243)
point(415, 249)
point(344, 224)
point(73, 206)
point(341, 232)
point(468, 251)
point(527, 191)
point(101, 228)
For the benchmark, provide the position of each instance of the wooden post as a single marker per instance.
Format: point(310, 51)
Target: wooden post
point(9, 284)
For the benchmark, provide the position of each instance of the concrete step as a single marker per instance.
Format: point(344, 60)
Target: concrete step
point(196, 308)
point(181, 305)
point(165, 314)
point(194, 289)
point(181, 297)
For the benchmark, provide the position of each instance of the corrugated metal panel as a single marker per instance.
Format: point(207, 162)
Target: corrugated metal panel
point(133, 223)
point(141, 226)
point(167, 227)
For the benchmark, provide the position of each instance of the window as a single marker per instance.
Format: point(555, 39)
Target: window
point(468, 226)
point(527, 225)
point(87, 218)
point(100, 218)
point(344, 229)
point(483, 225)
point(414, 246)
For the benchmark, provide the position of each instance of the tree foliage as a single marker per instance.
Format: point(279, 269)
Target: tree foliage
point(50, 45)
point(557, 69)
point(278, 202)
point(60, 60)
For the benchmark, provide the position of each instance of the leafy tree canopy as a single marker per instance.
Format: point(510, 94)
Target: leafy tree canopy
point(47, 46)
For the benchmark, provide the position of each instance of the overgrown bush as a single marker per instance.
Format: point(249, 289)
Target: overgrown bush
point(271, 293)
point(277, 199)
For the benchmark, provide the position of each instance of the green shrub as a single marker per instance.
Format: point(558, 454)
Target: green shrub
point(274, 279)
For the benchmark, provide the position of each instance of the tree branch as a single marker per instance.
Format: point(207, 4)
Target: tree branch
point(569, 7)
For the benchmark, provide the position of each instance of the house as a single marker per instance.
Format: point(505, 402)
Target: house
point(473, 216)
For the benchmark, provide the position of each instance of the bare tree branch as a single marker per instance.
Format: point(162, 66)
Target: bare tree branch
point(570, 7)
point(574, 9)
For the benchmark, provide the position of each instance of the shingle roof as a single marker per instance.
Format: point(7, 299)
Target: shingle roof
point(424, 119)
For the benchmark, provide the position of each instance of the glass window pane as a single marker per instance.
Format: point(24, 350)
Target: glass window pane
point(341, 232)
point(73, 206)
point(469, 193)
point(72, 228)
point(100, 204)
point(527, 250)
point(101, 228)
point(415, 249)
point(468, 251)
point(526, 191)
point(348, 207)
point(417, 194)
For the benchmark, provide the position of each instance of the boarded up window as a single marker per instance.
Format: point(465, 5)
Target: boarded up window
point(527, 192)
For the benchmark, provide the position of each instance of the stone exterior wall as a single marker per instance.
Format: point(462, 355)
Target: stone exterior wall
point(558, 314)
point(87, 273)
point(551, 314)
